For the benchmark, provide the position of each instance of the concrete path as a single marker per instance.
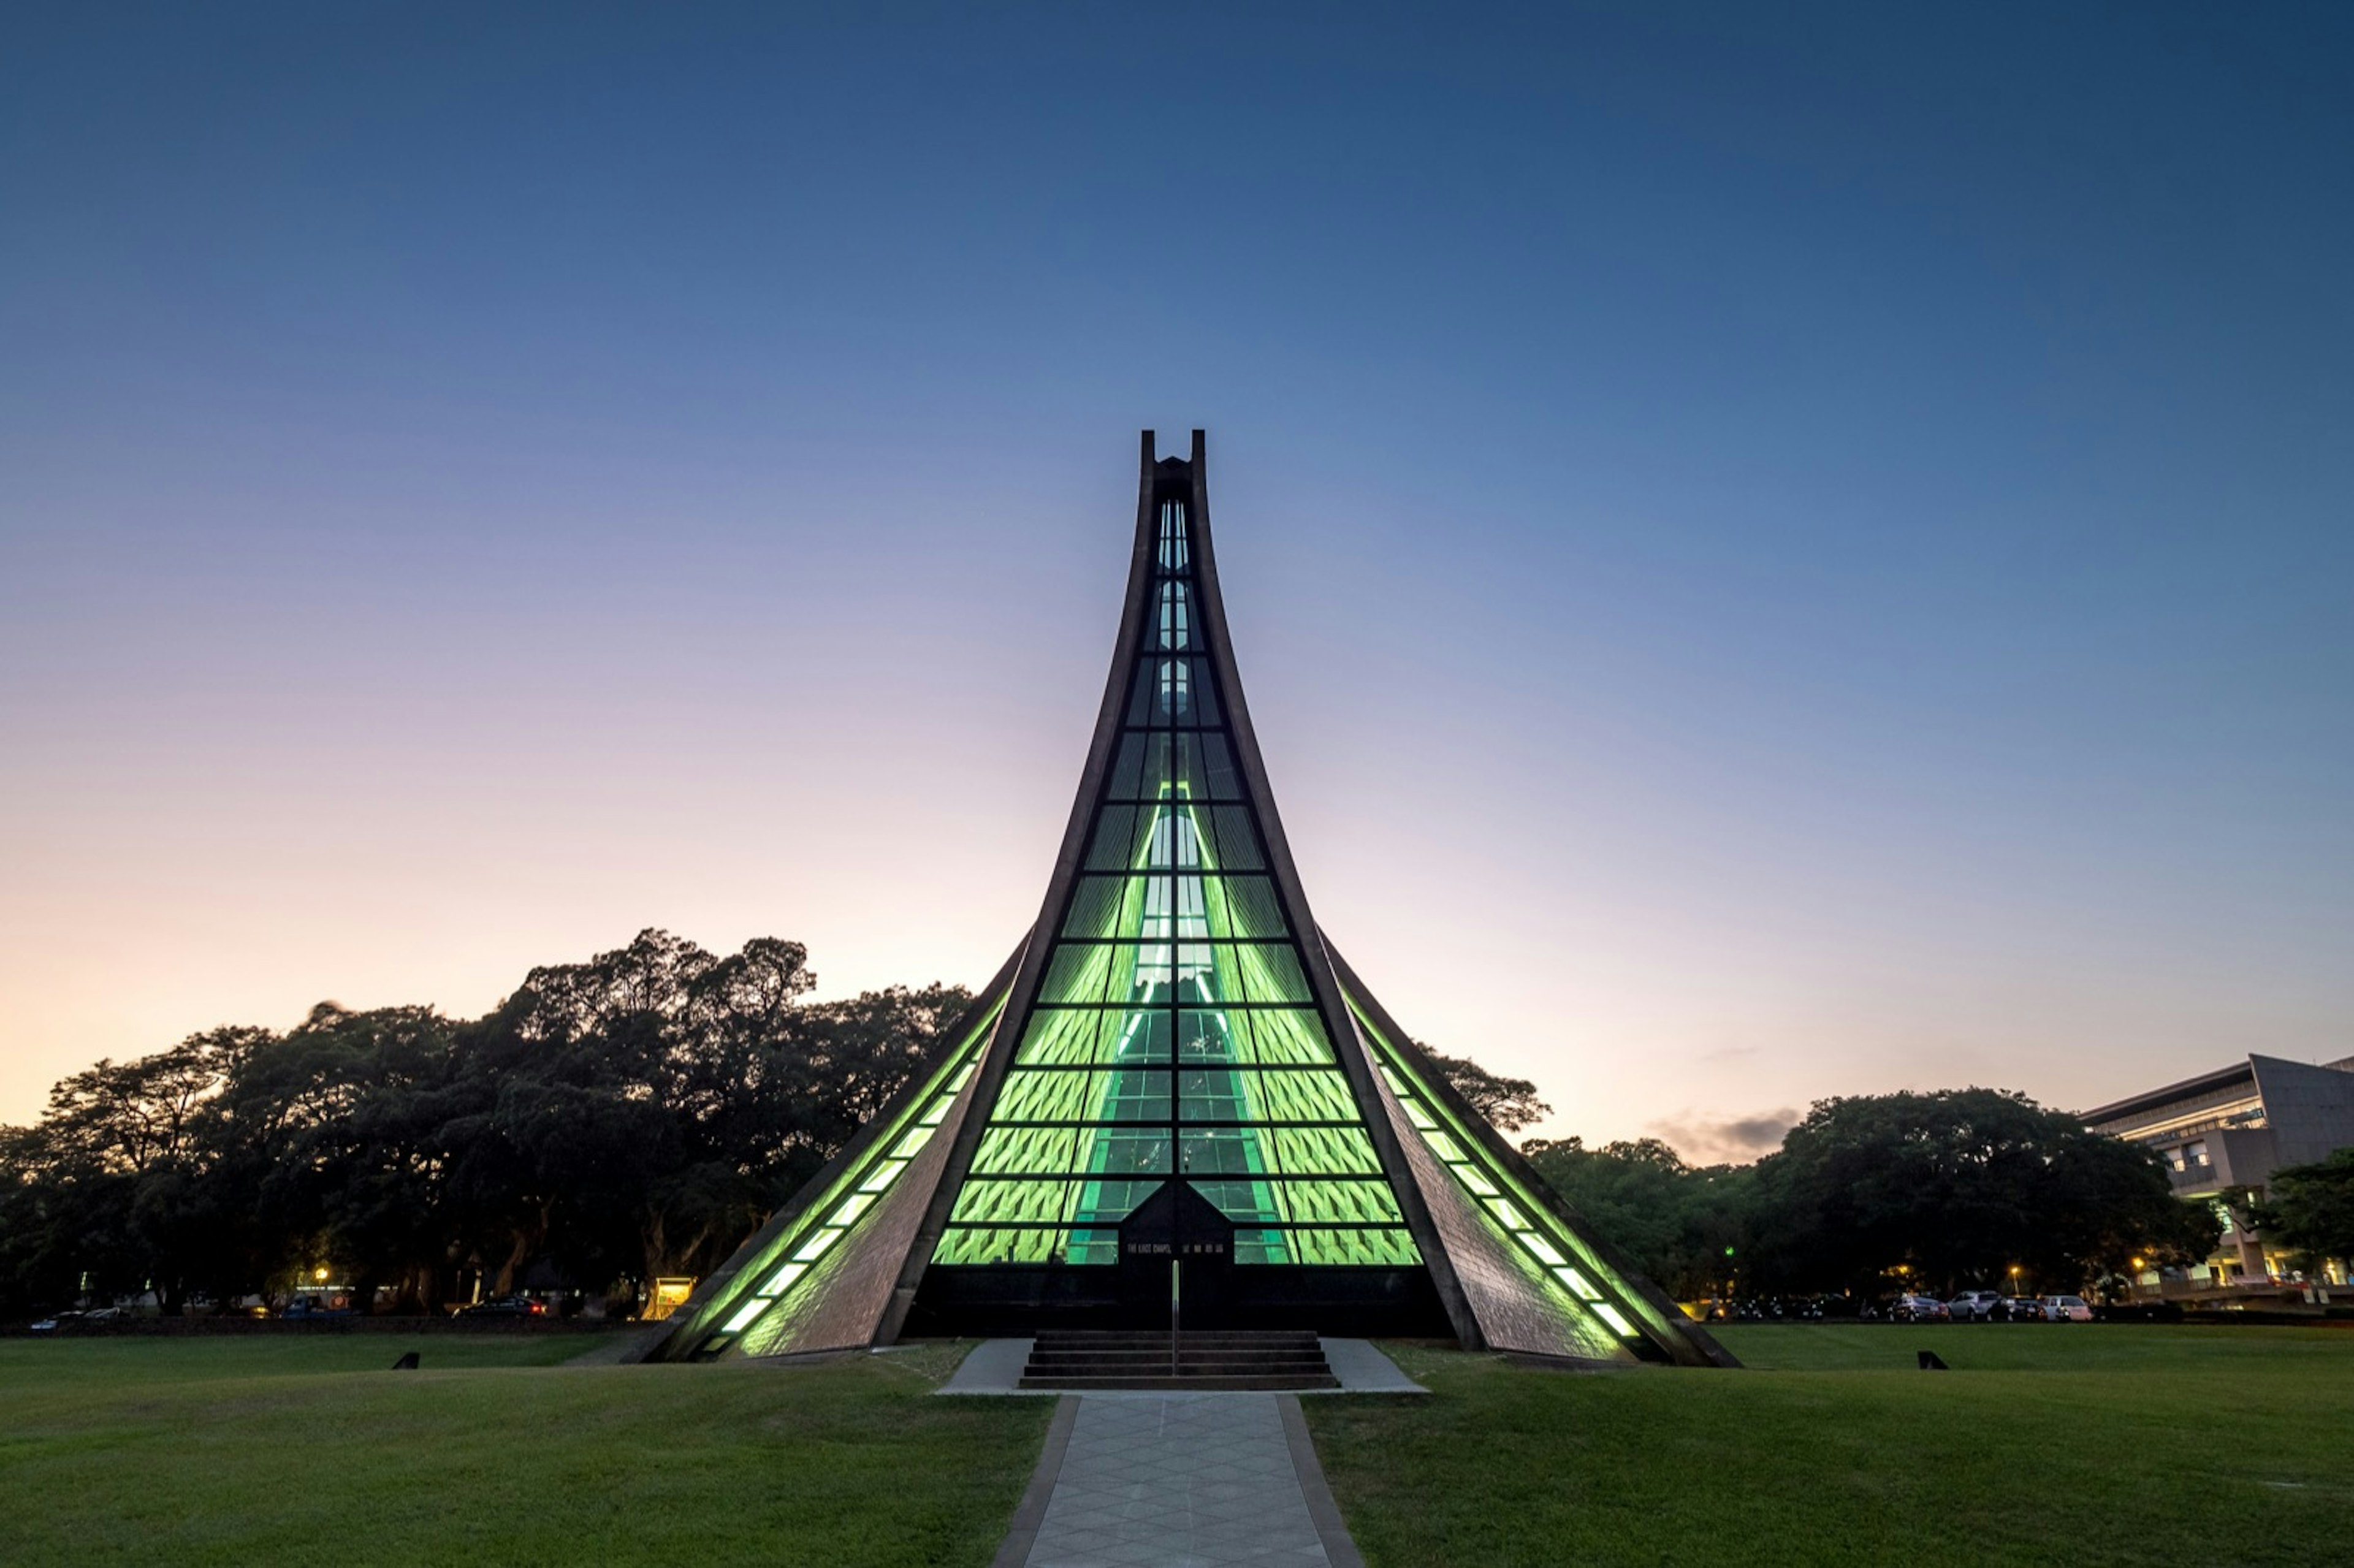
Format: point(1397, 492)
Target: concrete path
point(1178, 1481)
point(993, 1366)
point(1363, 1369)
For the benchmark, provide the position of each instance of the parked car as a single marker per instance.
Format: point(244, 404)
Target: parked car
point(51, 1325)
point(2067, 1310)
point(1974, 1306)
point(517, 1305)
point(1920, 1310)
point(2023, 1309)
point(312, 1307)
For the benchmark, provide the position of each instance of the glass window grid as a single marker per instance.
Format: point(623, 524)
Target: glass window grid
point(1173, 914)
point(975, 1223)
point(1231, 908)
point(1174, 762)
point(1268, 1038)
point(1201, 973)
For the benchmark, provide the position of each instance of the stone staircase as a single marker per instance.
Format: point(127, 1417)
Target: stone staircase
point(1237, 1359)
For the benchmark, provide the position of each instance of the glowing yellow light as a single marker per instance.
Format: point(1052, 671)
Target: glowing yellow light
point(320, 1274)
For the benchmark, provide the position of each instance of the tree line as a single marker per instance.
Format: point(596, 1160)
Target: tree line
point(637, 1114)
point(612, 1122)
point(1872, 1194)
point(1938, 1192)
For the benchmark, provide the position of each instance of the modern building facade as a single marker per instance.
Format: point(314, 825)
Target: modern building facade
point(2233, 1129)
point(1176, 1098)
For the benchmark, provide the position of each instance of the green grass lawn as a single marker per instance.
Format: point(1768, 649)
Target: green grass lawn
point(2083, 1444)
point(254, 1450)
point(2075, 1444)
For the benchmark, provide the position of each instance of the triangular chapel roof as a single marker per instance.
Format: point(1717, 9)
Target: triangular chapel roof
point(1176, 1015)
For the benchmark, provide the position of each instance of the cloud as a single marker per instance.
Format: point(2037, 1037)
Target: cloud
point(1735, 1140)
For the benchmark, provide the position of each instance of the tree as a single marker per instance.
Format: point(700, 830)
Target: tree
point(116, 1183)
point(2310, 1209)
point(1954, 1189)
point(336, 1132)
point(1682, 1225)
point(1505, 1103)
point(631, 1116)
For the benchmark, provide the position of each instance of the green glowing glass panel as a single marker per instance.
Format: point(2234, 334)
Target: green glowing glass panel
point(766, 1282)
point(1550, 1254)
point(1174, 1034)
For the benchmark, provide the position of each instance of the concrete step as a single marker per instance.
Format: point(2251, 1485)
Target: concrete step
point(1152, 1363)
point(1107, 1337)
point(1206, 1383)
point(1196, 1333)
point(1304, 1346)
point(1164, 1350)
point(1221, 1359)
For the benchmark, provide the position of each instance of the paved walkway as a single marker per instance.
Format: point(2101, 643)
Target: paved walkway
point(1178, 1481)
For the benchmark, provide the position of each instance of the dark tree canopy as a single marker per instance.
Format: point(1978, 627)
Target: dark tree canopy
point(1940, 1192)
point(637, 1114)
point(1957, 1187)
point(613, 1120)
point(1507, 1104)
point(2311, 1208)
point(1674, 1221)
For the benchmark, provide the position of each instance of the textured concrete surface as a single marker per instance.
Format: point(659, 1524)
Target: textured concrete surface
point(1183, 1480)
point(1363, 1369)
point(993, 1366)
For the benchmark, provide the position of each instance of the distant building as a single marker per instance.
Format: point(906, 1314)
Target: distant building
point(2233, 1127)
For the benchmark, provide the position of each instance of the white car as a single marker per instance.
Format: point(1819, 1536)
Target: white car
point(1974, 1306)
point(2067, 1310)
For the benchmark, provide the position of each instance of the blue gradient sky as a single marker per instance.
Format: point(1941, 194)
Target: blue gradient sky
point(1774, 556)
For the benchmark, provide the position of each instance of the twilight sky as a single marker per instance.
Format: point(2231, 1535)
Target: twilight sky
point(1773, 555)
